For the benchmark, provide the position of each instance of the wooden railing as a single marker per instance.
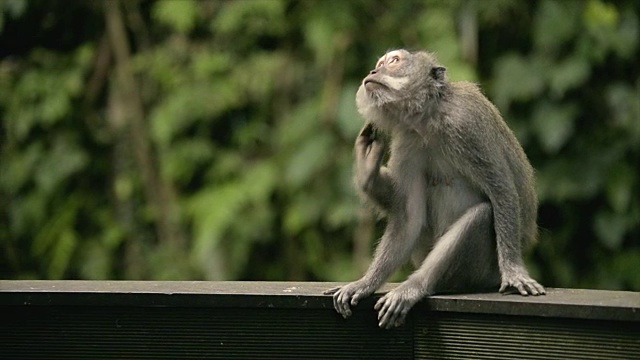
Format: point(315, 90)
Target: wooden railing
point(293, 320)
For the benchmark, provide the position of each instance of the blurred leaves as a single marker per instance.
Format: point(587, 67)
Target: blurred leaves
point(180, 15)
point(553, 124)
point(576, 91)
point(248, 108)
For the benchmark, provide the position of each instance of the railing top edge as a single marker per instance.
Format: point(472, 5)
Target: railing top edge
point(567, 303)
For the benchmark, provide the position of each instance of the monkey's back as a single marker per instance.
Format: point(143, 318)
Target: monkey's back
point(483, 125)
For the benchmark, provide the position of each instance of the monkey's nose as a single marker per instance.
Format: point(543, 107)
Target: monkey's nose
point(373, 72)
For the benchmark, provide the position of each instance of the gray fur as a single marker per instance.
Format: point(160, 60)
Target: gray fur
point(458, 189)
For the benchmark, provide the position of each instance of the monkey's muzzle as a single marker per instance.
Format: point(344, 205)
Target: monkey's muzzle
point(372, 84)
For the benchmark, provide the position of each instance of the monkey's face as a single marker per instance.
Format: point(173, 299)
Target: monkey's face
point(403, 83)
point(386, 82)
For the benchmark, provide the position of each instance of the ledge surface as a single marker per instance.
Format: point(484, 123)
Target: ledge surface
point(563, 303)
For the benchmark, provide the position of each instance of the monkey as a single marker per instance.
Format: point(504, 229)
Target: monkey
point(457, 188)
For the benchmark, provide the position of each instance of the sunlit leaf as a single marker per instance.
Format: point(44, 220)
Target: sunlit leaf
point(259, 75)
point(624, 105)
point(625, 266)
point(99, 268)
point(302, 212)
point(62, 253)
point(600, 14)
point(251, 17)
point(319, 33)
point(554, 125)
point(621, 182)
point(308, 159)
point(17, 172)
point(217, 208)
point(517, 78)
point(206, 63)
point(185, 157)
point(188, 105)
point(61, 162)
point(566, 179)
point(627, 35)
point(57, 240)
point(348, 120)
point(179, 14)
point(568, 74)
point(610, 229)
point(300, 124)
point(555, 23)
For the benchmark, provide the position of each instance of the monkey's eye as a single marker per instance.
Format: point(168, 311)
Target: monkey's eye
point(379, 64)
point(394, 59)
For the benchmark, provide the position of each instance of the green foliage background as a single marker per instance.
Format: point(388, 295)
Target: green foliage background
point(213, 139)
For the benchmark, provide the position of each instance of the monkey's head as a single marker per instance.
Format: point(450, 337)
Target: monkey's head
point(401, 81)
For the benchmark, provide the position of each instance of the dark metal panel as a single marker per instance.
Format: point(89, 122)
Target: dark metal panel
point(293, 320)
point(194, 333)
point(481, 336)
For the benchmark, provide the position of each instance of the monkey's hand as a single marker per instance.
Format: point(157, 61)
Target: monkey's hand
point(369, 153)
point(395, 305)
point(519, 279)
point(349, 295)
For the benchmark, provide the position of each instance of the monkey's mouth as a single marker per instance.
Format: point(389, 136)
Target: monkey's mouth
point(368, 83)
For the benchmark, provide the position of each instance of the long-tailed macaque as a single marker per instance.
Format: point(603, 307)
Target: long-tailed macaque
point(457, 189)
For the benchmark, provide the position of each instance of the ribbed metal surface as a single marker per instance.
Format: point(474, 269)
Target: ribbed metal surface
point(57, 332)
point(477, 336)
point(257, 320)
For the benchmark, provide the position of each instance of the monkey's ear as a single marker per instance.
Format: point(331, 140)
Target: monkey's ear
point(438, 73)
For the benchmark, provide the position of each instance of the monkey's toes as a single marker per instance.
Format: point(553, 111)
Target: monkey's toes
point(534, 288)
point(524, 287)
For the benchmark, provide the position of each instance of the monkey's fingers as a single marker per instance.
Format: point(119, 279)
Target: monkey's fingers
point(341, 303)
point(363, 146)
point(368, 131)
point(383, 306)
point(331, 291)
point(389, 314)
point(362, 149)
point(376, 152)
point(355, 299)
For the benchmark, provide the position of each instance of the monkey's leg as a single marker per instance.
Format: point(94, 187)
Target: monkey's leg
point(463, 258)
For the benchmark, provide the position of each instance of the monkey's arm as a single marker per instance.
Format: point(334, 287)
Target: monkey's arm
point(373, 180)
point(404, 224)
point(393, 250)
point(486, 166)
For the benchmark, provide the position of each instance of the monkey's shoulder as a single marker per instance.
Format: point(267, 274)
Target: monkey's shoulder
point(466, 86)
point(468, 104)
point(469, 93)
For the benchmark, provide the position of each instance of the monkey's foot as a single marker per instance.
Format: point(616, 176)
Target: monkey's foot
point(522, 282)
point(395, 305)
point(349, 295)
